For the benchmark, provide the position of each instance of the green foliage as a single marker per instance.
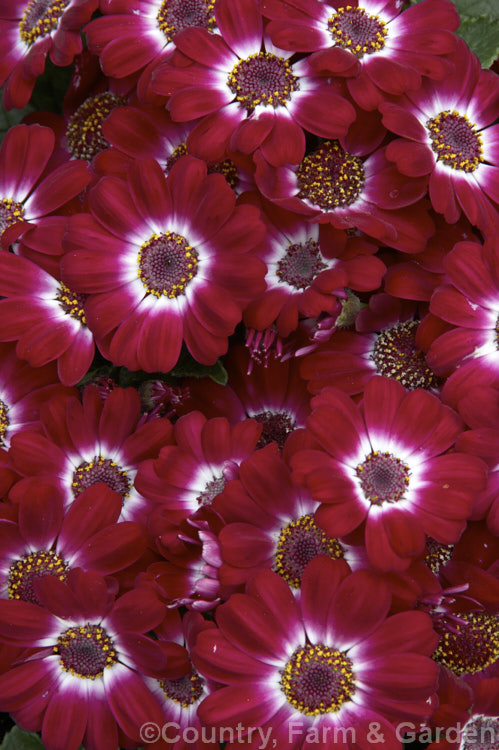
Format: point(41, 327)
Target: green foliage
point(482, 37)
point(16, 739)
point(187, 367)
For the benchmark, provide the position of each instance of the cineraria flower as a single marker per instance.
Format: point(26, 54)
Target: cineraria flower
point(320, 671)
point(32, 29)
point(45, 541)
point(393, 349)
point(270, 524)
point(308, 268)
point(192, 473)
point(45, 317)
point(91, 442)
point(190, 576)
point(448, 132)
point(274, 395)
point(179, 698)
point(128, 39)
point(23, 390)
point(382, 465)
point(333, 186)
point(83, 682)
point(391, 50)
point(246, 91)
point(163, 260)
point(469, 353)
point(139, 133)
point(25, 198)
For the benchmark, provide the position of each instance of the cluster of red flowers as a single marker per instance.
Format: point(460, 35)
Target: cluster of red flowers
point(303, 196)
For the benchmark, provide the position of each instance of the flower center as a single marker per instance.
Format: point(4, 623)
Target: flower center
point(455, 141)
point(27, 569)
point(482, 733)
point(40, 18)
point(185, 690)
point(166, 264)
point(318, 680)
point(357, 31)
point(175, 15)
point(383, 478)
point(299, 542)
point(277, 425)
point(262, 79)
point(10, 213)
point(301, 263)
point(212, 489)
point(101, 469)
point(85, 651)
point(4, 421)
point(471, 646)
point(72, 303)
point(437, 554)
point(330, 177)
point(396, 356)
point(84, 131)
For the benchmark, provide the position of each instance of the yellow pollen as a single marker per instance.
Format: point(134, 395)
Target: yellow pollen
point(358, 31)
point(32, 25)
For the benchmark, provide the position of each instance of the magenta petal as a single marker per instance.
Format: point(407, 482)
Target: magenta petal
point(240, 24)
point(146, 656)
point(324, 113)
point(96, 507)
point(24, 623)
point(40, 517)
point(58, 188)
point(21, 683)
point(251, 705)
point(137, 611)
point(319, 583)
point(218, 659)
point(65, 719)
point(74, 363)
point(113, 548)
point(360, 604)
point(23, 156)
point(131, 702)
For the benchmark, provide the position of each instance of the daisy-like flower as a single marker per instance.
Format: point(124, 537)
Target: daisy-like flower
point(246, 91)
point(469, 352)
point(86, 443)
point(389, 343)
point(270, 524)
point(23, 390)
point(129, 39)
point(308, 268)
point(45, 317)
point(164, 260)
point(331, 185)
point(85, 684)
point(45, 541)
point(320, 671)
point(27, 192)
point(448, 132)
point(179, 698)
point(139, 133)
point(192, 473)
point(382, 464)
point(391, 49)
point(32, 29)
point(274, 395)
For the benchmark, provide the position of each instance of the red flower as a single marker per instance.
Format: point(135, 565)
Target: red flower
point(163, 261)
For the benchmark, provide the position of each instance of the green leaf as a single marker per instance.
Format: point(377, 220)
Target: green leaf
point(477, 8)
point(16, 739)
point(14, 117)
point(189, 368)
point(482, 37)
